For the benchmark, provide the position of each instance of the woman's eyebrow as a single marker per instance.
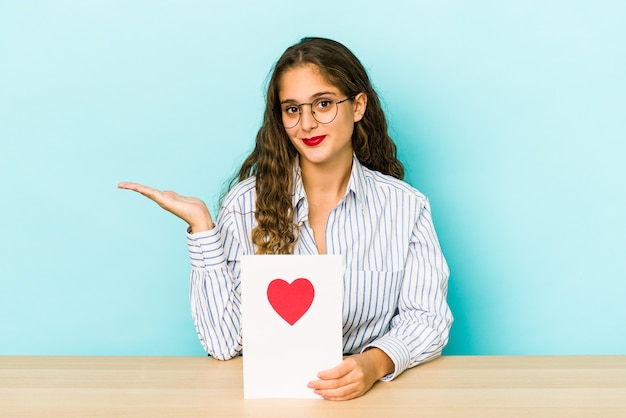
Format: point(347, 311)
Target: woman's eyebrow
point(315, 96)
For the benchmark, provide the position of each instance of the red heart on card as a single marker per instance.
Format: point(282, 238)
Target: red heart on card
point(290, 301)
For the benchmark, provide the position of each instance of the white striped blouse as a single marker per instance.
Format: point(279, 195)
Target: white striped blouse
point(396, 278)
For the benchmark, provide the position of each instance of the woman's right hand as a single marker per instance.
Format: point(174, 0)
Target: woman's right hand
point(189, 209)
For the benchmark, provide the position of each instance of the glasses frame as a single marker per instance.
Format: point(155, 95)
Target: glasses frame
point(299, 106)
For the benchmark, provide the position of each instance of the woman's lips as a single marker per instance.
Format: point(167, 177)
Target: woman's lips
point(311, 142)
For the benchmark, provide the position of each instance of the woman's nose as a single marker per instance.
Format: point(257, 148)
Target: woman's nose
point(307, 119)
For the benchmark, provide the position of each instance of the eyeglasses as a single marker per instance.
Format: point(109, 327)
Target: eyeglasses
point(323, 110)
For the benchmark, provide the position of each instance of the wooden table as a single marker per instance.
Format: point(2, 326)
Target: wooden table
point(452, 386)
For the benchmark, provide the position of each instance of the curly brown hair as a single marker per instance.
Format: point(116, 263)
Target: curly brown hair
point(273, 157)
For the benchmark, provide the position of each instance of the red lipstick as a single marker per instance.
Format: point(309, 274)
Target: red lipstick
point(311, 142)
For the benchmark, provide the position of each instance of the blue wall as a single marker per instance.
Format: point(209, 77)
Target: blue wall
point(510, 116)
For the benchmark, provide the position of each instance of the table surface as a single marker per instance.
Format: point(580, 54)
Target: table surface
point(451, 386)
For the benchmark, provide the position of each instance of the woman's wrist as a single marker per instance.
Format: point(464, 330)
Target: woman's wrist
point(381, 361)
point(202, 226)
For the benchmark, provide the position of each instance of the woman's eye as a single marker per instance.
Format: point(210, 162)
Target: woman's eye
point(291, 110)
point(324, 104)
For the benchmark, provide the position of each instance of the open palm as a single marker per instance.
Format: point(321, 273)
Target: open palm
point(190, 209)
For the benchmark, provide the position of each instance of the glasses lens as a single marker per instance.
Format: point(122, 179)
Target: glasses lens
point(290, 115)
point(324, 110)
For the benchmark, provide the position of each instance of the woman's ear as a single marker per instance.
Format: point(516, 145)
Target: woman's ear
point(360, 104)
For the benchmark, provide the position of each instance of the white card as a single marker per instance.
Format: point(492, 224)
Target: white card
point(292, 322)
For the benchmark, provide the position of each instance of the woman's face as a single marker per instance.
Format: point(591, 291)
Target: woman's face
point(318, 143)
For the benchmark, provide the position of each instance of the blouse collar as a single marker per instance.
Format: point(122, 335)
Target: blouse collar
point(356, 187)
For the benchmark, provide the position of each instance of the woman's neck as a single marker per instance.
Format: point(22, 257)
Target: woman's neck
point(326, 180)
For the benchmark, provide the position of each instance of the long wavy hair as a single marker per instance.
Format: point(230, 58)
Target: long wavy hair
point(273, 157)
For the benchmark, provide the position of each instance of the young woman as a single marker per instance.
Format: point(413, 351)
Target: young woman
point(324, 179)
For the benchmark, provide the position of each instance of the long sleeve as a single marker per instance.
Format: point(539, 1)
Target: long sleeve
point(215, 292)
point(420, 329)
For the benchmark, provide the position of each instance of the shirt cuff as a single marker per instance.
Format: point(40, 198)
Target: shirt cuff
point(205, 249)
point(397, 351)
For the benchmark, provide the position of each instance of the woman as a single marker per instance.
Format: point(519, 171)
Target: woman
point(324, 179)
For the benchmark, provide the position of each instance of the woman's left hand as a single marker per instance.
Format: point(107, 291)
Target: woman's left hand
point(353, 377)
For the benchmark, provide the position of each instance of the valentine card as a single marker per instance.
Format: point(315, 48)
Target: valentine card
point(292, 322)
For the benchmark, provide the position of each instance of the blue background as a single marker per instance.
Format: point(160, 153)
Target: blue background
point(510, 116)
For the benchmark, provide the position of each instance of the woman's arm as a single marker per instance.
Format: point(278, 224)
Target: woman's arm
point(417, 333)
point(420, 330)
point(214, 294)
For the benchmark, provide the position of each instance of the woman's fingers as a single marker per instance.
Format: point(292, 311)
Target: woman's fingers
point(166, 199)
point(147, 191)
point(190, 209)
point(353, 377)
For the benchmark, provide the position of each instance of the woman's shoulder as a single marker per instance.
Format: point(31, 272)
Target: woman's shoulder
point(387, 185)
